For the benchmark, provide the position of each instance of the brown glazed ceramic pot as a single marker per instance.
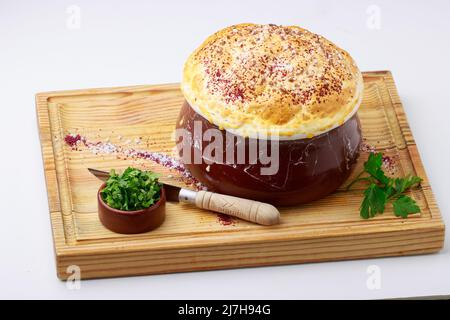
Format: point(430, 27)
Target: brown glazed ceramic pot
point(132, 222)
point(309, 168)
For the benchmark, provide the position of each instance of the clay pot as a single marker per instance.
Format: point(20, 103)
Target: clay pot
point(132, 222)
point(309, 168)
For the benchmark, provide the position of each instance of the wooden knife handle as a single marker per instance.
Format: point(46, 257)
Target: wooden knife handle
point(250, 210)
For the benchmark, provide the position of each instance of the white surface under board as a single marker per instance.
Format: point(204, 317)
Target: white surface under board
point(44, 46)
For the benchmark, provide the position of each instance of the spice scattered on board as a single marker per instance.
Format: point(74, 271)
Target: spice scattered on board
point(72, 140)
point(225, 220)
point(389, 162)
point(365, 147)
point(78, 142)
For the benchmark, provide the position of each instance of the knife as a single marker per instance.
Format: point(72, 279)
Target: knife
point(250, 210)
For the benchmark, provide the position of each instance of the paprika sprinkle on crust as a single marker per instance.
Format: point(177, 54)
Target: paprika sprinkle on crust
point(265, 79)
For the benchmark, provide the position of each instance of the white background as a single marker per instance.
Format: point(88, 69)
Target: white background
point(137, 42)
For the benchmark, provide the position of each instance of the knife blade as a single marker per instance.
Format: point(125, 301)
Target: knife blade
point(250, 210)
point(102, 175)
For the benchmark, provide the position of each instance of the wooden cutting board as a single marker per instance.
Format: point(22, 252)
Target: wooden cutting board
point(143, 117)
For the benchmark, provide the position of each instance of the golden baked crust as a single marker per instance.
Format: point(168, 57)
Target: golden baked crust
point(256, 80)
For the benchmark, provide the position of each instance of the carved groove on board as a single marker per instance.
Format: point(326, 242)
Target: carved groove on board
point(61, 172)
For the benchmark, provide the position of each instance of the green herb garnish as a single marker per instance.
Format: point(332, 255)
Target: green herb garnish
point(132, 190)
point(383, 189)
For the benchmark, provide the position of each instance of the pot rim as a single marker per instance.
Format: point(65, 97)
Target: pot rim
point(297, 136)
point(280, 139)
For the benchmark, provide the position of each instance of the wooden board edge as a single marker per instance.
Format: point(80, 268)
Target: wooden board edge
point(55, 218)
point(94, 91)
point(143, 245)
point(376, 73)
point(401, 243)
point(411, 144)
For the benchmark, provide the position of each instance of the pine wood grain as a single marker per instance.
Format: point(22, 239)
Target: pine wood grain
point(193, 239)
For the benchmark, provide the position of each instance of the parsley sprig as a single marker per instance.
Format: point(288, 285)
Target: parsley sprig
point(381, 190)
point(132, 190)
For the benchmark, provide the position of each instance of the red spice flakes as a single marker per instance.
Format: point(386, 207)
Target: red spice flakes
point(72, 140)
point(225, 220)
point(234, 93)
point(106, 147)
point(235, 75)
point(390, 163)
point(365, 147)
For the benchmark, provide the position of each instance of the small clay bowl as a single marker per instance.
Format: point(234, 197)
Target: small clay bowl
point(132, 222)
